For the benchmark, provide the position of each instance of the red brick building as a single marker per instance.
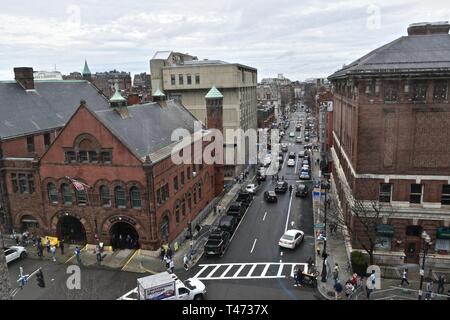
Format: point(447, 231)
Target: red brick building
point(122, 152)
point(391, 136)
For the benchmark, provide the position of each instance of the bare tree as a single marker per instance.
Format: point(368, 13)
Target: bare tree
point(5, 286)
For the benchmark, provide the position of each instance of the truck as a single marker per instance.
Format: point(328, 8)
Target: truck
point(217, 243)
point(166, 286)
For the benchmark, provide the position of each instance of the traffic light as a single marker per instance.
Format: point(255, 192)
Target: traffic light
point(40, 279)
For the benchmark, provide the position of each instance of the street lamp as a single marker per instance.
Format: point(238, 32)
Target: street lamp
point(427, 242)
point(324, 252)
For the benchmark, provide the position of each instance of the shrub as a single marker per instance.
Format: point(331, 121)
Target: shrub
point(359, 264)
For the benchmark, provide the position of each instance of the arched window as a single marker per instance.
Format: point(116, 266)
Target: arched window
point(52, 193)
point(66, 193)
point(183, 207)
point(135, 195)
point(177, 212)
point(81, 196)
point(189, 201)
point(105, 197)
point(121, 200)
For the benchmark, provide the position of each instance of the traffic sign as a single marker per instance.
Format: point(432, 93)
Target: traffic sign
point(319, 225)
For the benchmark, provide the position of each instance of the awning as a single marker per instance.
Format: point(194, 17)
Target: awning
point(385, 230)
point(443, 233)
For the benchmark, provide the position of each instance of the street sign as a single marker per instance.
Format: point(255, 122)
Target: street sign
point(319, 225)
point(316, 195)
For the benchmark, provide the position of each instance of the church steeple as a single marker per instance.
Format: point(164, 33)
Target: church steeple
point(86, 72)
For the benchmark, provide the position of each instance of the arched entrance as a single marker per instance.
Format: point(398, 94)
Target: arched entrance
point(71, 230)
point(124, 236)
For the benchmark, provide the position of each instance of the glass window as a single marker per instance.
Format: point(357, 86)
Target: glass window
point(31, 183)
point(15, 183)
point(47, 140)
point(66, 193)
point(30, 144)
point(121, 201)
point(175, 184)
point(182, 178)
point(383, 243)
point(71, 156)
point(135, 197)
point(83, 156)
point(183, 207)
point(23, 183)
point(197, 79)
point(391, 91)
point(419, 91)
point(158, 196)
point(81, 196)
point(445, 198)
point(180, 79)
point(106, 156)
point(172, 79)
point(385, 192)
point(416, 193)
point(177, 212)
point(442, 245)
point(440, 90)
point(189, 79)
point(52, 193)
point(105, 197)
point(93, 156)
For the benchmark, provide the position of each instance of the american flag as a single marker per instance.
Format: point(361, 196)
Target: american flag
point(80, 186)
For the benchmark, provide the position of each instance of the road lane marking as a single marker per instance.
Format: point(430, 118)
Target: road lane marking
point(253, 247)
point(226, 271)
point(281, 253)
point(280, 269)
point(238, 271)
point(289, 212)
point(129, 260)
point(263, 274)
point(201, 271)
point(214, 270)
point(249, 274)
point(264, 218)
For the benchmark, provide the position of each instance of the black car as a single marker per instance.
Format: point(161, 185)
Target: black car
point(237, 209)
point(217, 243)
point(228, 223)
point(270, 196)
point(292, 155)
point(301, 191)
point(245, 197)
point(281, 187)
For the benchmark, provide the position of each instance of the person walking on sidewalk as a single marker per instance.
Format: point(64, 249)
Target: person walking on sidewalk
point(61, 246)
point(336, 272)
point(53, 251)
point(441, 284)
point(338, 289)
point(185, 262)
point(171, 265)
point(78, 254)
point(405, 277)
point(48, 245)
point(98, 254)
point(348, 289)
point(40, 250)
point(297, 278)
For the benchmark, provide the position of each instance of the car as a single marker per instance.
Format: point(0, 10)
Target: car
point(267, 160)
point(305, 162)
point(237, 209)
point(15, 252)
point(251, 188)
point(301, 191)
point(270, 196)
point(282, 133)
point(281, 187)
point(228, 223)
point(307, 146)
point(244, 197)
point(298, 128)
point(261, 175)
point(304, 175)
point(298, 140)
point(291, 239)
point(292, 134)
point(284, 147)
point(305, 167)
point(301, 154)
point(306, 139)
point(291, 163)
point(292, 155)
point(217, 242)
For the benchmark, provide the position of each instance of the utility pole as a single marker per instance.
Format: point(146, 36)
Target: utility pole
point(5, 286)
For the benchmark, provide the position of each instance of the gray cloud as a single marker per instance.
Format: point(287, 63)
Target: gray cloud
point(301, 39)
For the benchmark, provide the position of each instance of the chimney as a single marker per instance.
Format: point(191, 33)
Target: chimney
point(24, 76)
point(424, 28)
point(133, 98)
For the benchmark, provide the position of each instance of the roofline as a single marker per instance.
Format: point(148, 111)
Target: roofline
point(210, 64)
point(5, 138)
point(405, 72)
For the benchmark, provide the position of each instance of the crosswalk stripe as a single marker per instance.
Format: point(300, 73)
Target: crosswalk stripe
point(239, 270)
point(201, 271)
point(214, 270)
point(265, 270)
point(280, 269)
point(249, 274)
point(226, 271)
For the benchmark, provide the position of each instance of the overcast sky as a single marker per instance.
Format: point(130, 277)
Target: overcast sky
point(298, 38)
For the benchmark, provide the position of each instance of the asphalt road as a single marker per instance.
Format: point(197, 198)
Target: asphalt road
point(256, 241)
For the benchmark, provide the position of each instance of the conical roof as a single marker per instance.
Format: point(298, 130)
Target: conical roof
point(86, 70)
point(214, 94)
point(159, 93)
point(117, 97)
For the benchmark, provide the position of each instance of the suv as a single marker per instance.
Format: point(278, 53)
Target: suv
point(236, 209)
point(217, 243)
point(301, 191)
point(270, 196)
point(245, 197)
point(228, 223)
point(281, 187)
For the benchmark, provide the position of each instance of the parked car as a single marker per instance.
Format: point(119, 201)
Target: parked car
point(15, 252)
point(237, 209)
point(305, 162)
point(292, 155)
point(270, 196)
point(306, 139)
point(301, 154)
point(292, 134)
point(281, 187)
point(291, 239)
point(261, 176)
point(245, 198)
point(217, 242)
point(228, 223)
point(291, 163)
point(284, 147)
point(304, 175)
point(298, 140)
point(301, 191)
point(305, 167)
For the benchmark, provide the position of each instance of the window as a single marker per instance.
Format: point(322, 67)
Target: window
point(440, 90)
point(416, 193)
point(189, 79)
point(30, 144)
point(31, 183)
point(442, 245)
point(81, 196)
point(197, 79)
point(177, 212)
point(121, 201)
point(135, 197)
point(183, 207)
point(391, 91)
point(383, 243)
point(106, 156)
point(175, 184)
point(23, 183)
point(83, 156)
point(180, 79)
point(52, 193)
point(66, 193)
point(105, 198)
point(419, 91)
point(189, 201)
point(158, 196)
point(445, 198)
point(15, 182)
point(199, 191)
point(385, 192)
point(163, 193)
point(172, 79)
point(93, 156)
point(189, 173)
point(182, 179)
point(71, 156)
point(47, 140)
point(195, 195)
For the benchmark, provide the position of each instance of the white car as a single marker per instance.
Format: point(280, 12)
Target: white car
point(251, 188)
point(291, 163)
point(291, 239)
point(305, 167)
point(14, 253)
point(292, 134)
point(267, 160)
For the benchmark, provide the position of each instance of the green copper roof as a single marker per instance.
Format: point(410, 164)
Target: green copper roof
point(86, 70)
point(214, 94)
point(117, 96)
point(158, 93)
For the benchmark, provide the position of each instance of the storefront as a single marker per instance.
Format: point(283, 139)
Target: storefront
point(442, 240)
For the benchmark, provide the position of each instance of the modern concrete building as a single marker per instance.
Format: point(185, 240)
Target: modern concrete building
point(184, 78)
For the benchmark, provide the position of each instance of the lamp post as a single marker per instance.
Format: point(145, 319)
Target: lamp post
point(427, 242)
point(324, 252)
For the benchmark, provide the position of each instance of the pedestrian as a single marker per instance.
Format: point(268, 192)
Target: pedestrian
point(61, 246)
point(318, 252)
point(338, 289)
point(53, 252)
point(169, 252)
point(98, 253)
point(171, 265)
point(429, 293)
point(441, 284)
point(354, 280)
point(348, 289)
point(373, 279)
point(296, 277)
point(336, 272)
point(40, 250)
point(405, 277)
point(78, 254)
point(185, 262)
point(162, 253)
point(48, 245)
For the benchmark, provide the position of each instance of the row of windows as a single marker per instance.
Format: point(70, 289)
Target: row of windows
point(180, 205)
point(415, 195)
point(181, 79)
point(22, 182)
point(105, 199)
point(83, 156)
